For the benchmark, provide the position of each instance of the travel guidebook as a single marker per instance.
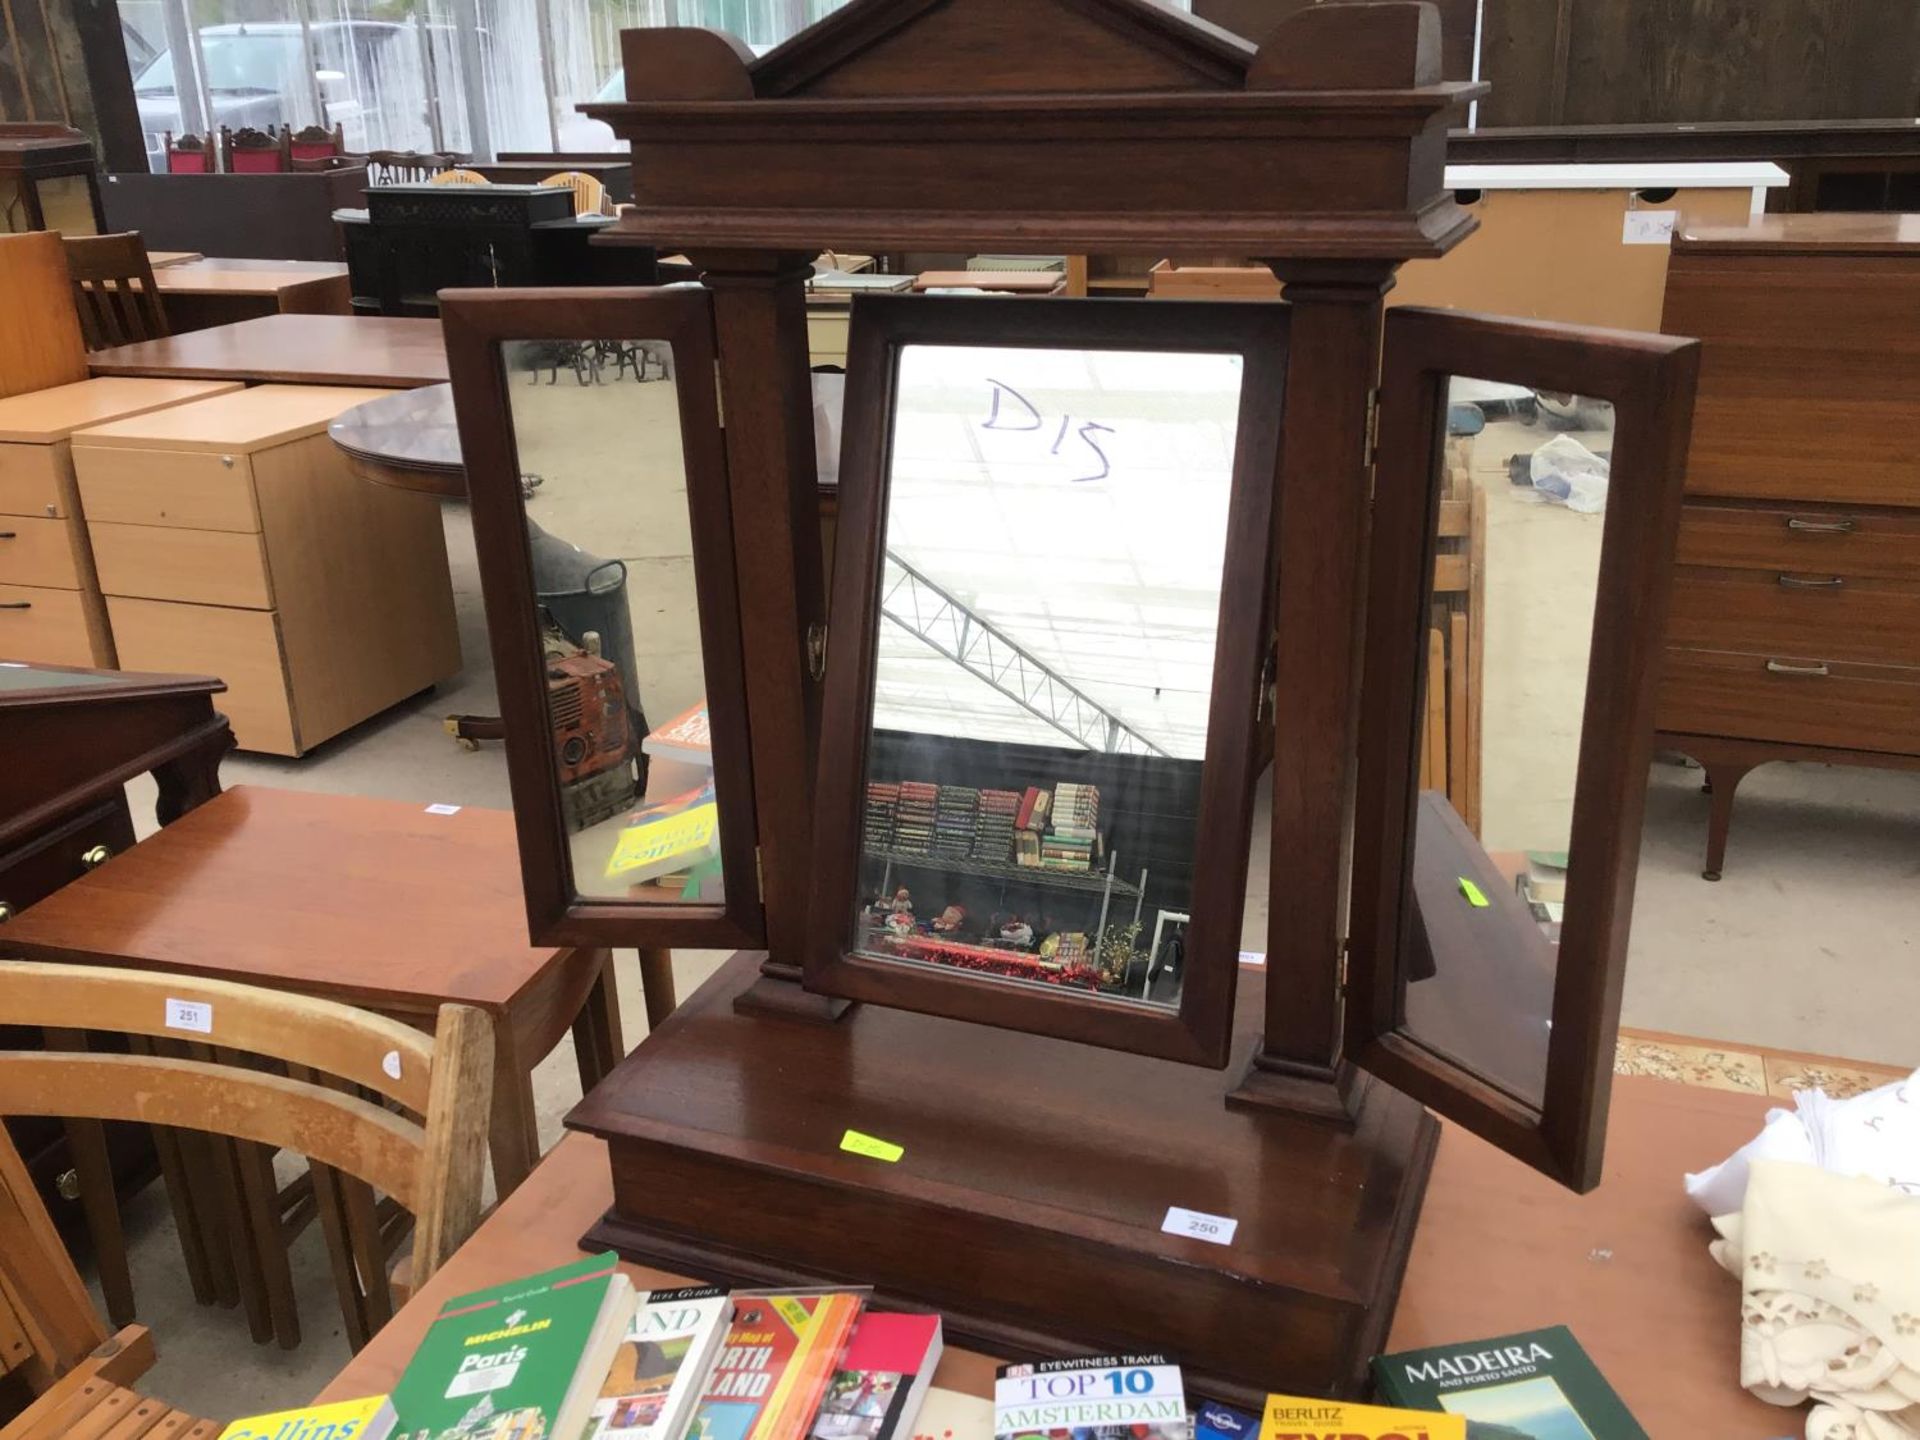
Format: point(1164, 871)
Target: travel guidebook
point(1293, 1417)
point(782, 1348)
point(661, 1366)
point(1539, 1385)
point(1108, 1397)
point(522, 1359)
point(369, 1419)
point(883, 1379)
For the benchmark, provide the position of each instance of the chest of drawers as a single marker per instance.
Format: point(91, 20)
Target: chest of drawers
point(232, 540)
point(1794, 631)
point(50, 604)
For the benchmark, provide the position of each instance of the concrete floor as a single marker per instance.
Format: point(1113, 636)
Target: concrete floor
point(1808, 943)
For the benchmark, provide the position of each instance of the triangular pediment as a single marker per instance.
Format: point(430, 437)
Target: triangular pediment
point(926, 48)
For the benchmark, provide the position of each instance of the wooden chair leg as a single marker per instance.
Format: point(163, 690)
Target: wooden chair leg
point(260, 1204)
point(656, 985)
point(597, 1041)
point(1723, 779)
point(93, 1168)
point(369, 1255)
point(513, 1132)
point(331, 1207)
point(189, 1224)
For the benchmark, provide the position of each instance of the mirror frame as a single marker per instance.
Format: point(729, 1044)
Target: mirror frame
point(1649, 379)
point(478, 324)
point(1198, 1030)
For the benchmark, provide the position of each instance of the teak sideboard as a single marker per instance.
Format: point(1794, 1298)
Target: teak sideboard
point(1794, 632)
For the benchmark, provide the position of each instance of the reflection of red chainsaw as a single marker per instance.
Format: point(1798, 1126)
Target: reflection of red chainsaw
point(593, 743)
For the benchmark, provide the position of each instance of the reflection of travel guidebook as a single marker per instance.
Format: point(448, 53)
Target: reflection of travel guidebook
point(522, 1359)
point(1536, 1386)
point(883, 1378)
point(781, 1350)
point(1293, 1417)
point(662, 1364)
point(688, 737)
point(667, 836)
point(1108, 1397)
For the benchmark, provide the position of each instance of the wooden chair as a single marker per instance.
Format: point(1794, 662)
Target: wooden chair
point(189, 155)
point(113, 289)
point(314, 1063)
point(459, 176)
point(589, 195)
point(406, 167)
point(313, 143)
point(40, 344)
point(248, 151)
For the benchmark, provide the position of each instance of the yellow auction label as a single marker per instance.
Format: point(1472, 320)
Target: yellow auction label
point(870, 1147)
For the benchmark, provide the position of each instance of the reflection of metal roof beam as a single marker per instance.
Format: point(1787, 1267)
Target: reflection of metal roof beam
point(927, 612)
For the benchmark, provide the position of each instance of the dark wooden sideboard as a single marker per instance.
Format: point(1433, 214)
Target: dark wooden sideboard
point(1794, 632)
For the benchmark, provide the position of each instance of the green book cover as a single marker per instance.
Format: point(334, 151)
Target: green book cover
point(1539, 1385)
point(521, 1361)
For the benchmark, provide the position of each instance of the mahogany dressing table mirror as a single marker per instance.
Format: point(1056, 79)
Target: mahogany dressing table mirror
point(1227, 562)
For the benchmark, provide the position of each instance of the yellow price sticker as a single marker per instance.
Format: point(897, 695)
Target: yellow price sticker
point(874, 1149)
point(1476, 897)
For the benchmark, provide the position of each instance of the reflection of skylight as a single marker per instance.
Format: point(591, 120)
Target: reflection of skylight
point(1077, 503)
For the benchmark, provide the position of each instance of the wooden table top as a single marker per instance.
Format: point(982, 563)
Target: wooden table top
point(214, 275)
point(408, 441)
point(1817, 233)
point(1499, 1249)
point(297, 349)
point(372, 901)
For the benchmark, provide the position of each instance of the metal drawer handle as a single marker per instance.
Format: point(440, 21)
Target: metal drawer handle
point(1780, 667)
point(1801, 582)
point(1820, 527)
point(16, 604)
point(9, 534)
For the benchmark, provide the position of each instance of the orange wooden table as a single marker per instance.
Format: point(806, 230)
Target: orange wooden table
point(1499, 1249)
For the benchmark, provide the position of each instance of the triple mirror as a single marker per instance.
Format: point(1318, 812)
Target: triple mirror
point(590, 433)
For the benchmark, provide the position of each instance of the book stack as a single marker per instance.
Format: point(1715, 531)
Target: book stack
point(993, 840)
point(1064, 852)
point(1076, 810)
point(1141, 1397)
point(956, 821)
point(913, 817)
point(883, 802)
point(1029, 824)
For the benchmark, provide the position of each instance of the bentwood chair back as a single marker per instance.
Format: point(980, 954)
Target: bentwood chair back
point(459, 176)
point(360, 1095)
point(589, 195)
point(113, 289)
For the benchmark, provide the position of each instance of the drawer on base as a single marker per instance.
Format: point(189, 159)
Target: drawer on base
point(241, 647)
point(192, 489)
point(1837, 617)
point(204, 567)
point(1847, 540)
point(29, 481)
point(38, 552)
point(1793, 699)
point(46, 625)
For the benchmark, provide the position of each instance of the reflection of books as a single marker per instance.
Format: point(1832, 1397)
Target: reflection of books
point(661, 1365)
point(1535, 1386)
point(687, 737)
point(883, 1378)
point(667, 836)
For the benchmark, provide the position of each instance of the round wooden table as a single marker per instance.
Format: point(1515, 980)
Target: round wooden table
point(407, 440)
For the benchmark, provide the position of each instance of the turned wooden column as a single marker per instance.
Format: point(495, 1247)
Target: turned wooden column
point(760, 334)
point(1323, 486)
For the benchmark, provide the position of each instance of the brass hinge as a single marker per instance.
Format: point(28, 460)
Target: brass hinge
point(817, 651)
point(719, 397)
point(1373, 424)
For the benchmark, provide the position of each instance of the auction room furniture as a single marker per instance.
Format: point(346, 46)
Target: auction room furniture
point(839, 1009)
point(205, 292)
point(261, 217)
point(1795, 627)
point(87, 732)
point(249, 151)
point(1499, 1250)
point(40, 346)
point(375, 903)
point(51, 607)
point(529, 167)
point(188, 155)
point(113, 289)
point(48, 180)
point(294, 349)
point(371, 1103)
point(231, 539)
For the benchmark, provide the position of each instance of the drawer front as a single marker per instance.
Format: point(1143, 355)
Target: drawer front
point(45, 625)
point(30, 481)
point(204, 567)
point(64, 852)
point(37, 552)
point(1849, 707)
point(180, 488)
point(241, 647)
point(1835, 617)
point(1829, 539)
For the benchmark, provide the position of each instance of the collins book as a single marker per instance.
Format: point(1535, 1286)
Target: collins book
point(782, 1348)
point(661, 1365)
point(1539, 1385)
point(369, 1419)
point(1136, 1395)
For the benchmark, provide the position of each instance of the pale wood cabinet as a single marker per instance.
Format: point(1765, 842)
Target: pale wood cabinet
point(51, 609)
point(232, 540)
